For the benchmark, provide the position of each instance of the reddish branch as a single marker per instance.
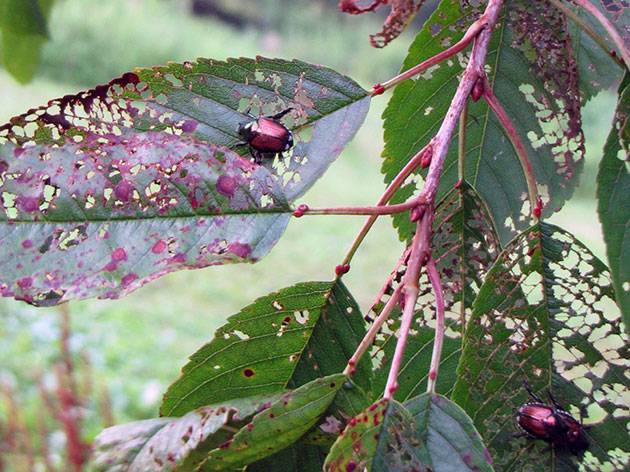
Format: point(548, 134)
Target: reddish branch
point(434, 155)
point(518, 145)
point(357, 211)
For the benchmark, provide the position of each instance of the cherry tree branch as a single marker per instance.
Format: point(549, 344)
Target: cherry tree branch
point(459, 46)
point(518, 145)
point(609, 27)
point(434, 278)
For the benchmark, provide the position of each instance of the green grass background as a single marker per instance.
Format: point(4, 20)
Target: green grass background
point(138, 344)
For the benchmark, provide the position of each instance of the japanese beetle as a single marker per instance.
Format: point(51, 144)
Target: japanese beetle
point(266, 136)
point(552, 424)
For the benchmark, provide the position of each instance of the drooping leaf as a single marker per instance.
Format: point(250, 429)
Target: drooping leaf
point(613, 193)
point(24, 30)
point(533, 74)
point(464, 246)
point(546, 314)
point(197, 107)
point(162, 444)
point(101, 219)
point(282, 340)
point(427, 433)
point(281, 425)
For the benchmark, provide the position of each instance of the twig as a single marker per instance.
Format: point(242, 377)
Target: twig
point(370, 210)
point(368, 339)
point(419, 253)
point(588, 29)
point(434, 278)
point(470, 34)
point(461, 144)
point(518, 145)
point(609, 27)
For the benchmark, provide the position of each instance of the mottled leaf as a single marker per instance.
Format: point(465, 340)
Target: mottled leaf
point(546, 314)
point(274, 429)
point(465, 244)
point(427, 433)
point(613, 193)
point(101, 219)
point(163, 444)
point(282, 340)
point(533, 74)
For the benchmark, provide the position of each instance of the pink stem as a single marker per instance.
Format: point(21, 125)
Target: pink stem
point(373, 210)
point(517, 143)
point(609, 27)
point(368, 339)
point(470, 34)
point(434, 278)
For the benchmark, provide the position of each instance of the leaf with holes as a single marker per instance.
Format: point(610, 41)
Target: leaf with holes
point(279, 426)
point(465, 245)
point(282, 340)
point(546, 314)
point(427, 433)
point(163, 444)
point(533, 74)
point(101, 219)
point(23, 24)
point(613, 189)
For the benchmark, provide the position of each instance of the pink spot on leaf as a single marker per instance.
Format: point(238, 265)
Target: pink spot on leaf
point(111, 266)
point(226, 185)
point(123, 191)
point(25, 283)
point(28, 204)
point(241, 250)
point(27, 244)
point(119, 254)
point(189, 126)
point(128, 279)
point(159, 247)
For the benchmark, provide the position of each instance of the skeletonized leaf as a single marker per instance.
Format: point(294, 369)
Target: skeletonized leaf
point(465, 244)
point(163, 444)
point(546, 314)
point(532, 73)
point(282, 340)
point(613, 192)
point(427, 433)
point(101, 219)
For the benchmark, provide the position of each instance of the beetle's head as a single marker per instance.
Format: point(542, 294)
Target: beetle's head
point(245, 130)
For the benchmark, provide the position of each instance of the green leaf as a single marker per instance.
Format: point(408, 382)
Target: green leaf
point(282, 340)
point(162, 444)
point(465, 245)
point(281, 425)
point(613, 191)
point(88, 220)
point(25, 17)
point(532, 74)
point(427, 433)
point(546, 314)
point(23, 24)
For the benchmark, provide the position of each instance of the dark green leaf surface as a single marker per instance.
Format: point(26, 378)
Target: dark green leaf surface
point(533, 76)
point(95, 219)
point(613, 194)
point(274, 429)
point(25, 17)
point(164, 444)
point(465, 245)
point(282, 340)
point(427, 433)
point(546, 314)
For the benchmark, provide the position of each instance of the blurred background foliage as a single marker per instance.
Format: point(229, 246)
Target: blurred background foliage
point(135, 347)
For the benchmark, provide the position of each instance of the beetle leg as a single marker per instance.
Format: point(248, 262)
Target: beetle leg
point(532, 394)
point(277, 116)
point(554, 402)
point(256, 155)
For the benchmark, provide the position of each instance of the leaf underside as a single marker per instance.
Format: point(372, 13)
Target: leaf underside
point(538, 89)
point(546, 314)
point(116, 186)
